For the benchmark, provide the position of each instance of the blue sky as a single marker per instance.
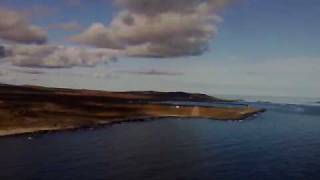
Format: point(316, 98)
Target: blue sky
point(266, 48)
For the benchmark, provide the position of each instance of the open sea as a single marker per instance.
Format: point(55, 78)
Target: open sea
point(282, 143)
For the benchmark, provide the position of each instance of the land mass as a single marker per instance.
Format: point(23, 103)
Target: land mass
point(29, 109)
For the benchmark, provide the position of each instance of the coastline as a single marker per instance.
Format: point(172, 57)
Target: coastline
point(30, 109)
point(33, 130)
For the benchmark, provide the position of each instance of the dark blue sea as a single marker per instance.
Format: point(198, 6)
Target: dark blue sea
point(282, 143)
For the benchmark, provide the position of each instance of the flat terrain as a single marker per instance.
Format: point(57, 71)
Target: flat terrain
point(26, 109)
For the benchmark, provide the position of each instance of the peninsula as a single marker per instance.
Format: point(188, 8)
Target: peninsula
point(29, 109)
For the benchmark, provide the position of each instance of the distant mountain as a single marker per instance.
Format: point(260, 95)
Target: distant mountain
point(2, 52)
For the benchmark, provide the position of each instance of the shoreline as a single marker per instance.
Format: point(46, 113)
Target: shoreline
point(44, 130)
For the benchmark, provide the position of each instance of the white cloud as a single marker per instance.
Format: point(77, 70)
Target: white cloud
point(158, 28)
point(49, 56)
point(14, 27)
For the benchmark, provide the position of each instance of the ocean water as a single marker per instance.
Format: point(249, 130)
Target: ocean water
point(282, 143)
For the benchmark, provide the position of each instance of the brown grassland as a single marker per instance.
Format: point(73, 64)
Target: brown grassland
point(27, 109)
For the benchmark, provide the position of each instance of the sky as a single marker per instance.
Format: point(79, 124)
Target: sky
point(223, 47)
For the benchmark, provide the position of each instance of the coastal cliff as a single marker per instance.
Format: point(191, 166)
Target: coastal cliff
point(27, 109)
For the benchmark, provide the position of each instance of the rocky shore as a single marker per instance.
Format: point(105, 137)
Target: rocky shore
point(28, 109)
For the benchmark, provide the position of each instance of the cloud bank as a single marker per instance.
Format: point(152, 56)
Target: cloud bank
point(141, 28)
point(14, 27)
point(28, 71)
point(157, 28)
point(49, 56)
point(28, 45)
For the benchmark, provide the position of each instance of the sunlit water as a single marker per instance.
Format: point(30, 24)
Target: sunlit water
point(283, 143)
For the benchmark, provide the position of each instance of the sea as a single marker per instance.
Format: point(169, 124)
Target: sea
point(282, 143)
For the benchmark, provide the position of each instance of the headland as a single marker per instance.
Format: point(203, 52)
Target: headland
point(29, 109)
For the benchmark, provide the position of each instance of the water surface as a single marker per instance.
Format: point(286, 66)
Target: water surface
point(283, 143)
